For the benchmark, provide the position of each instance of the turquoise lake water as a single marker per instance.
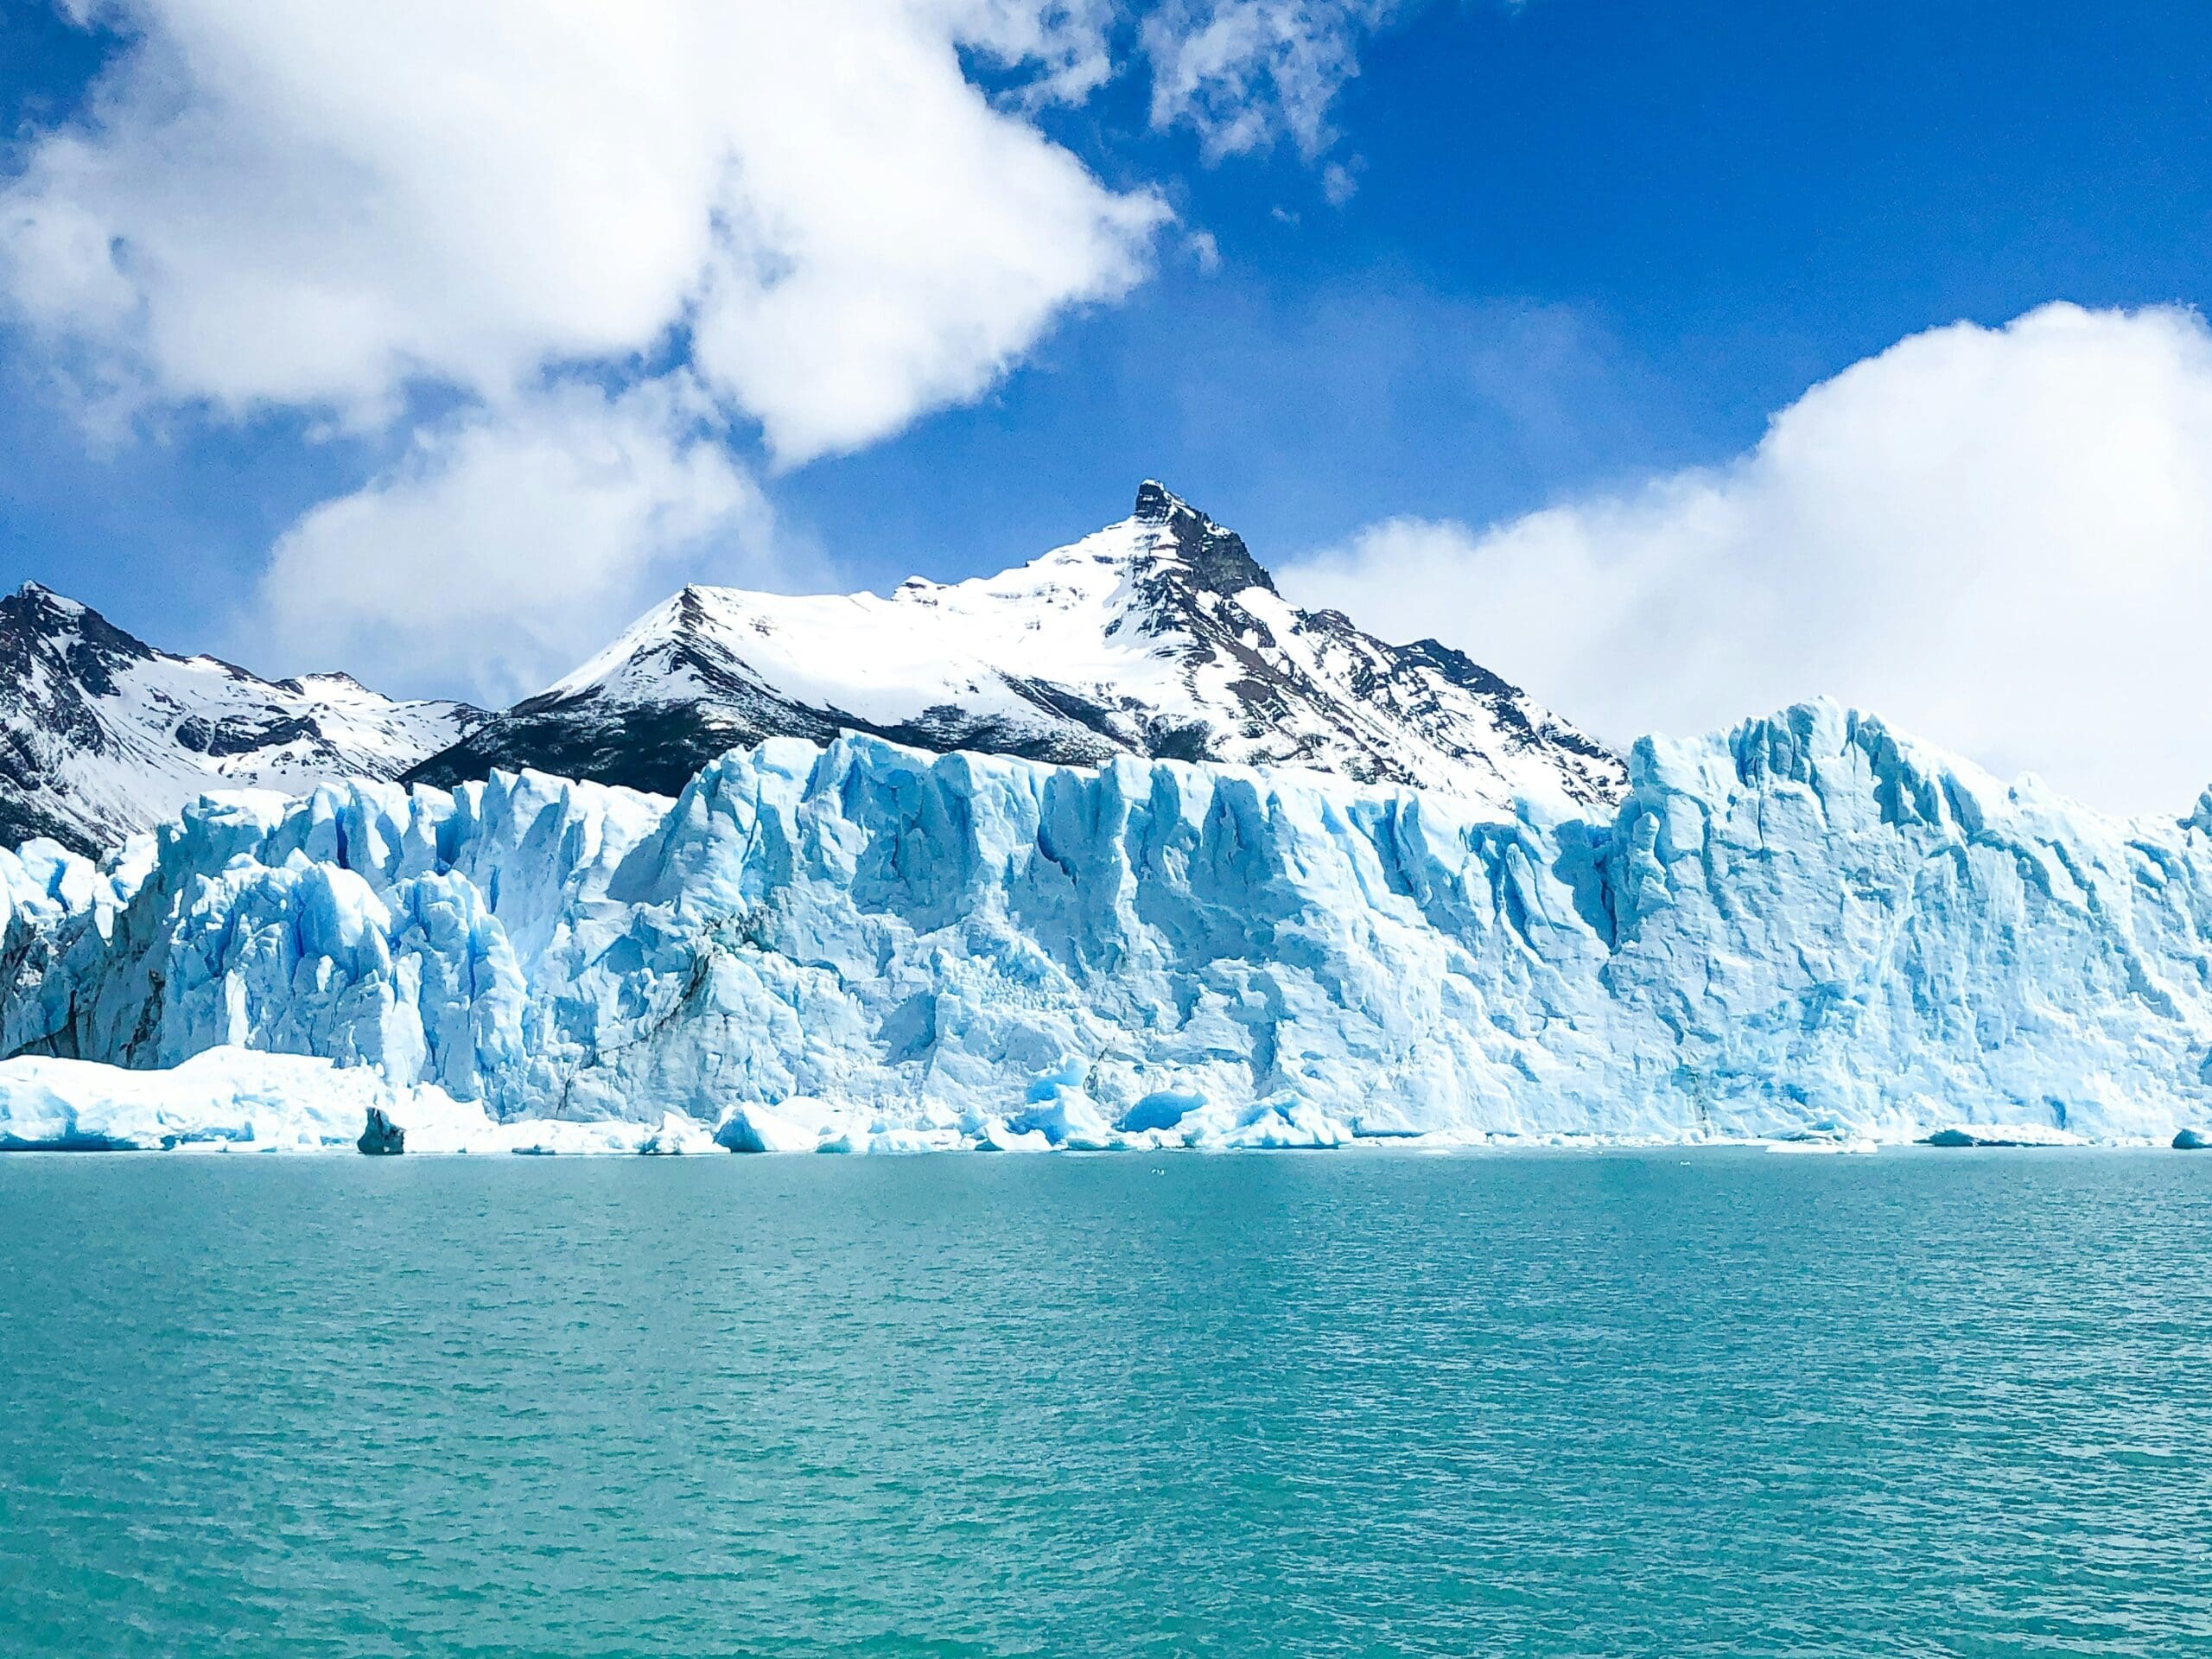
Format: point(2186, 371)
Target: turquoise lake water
point(1667, 1403)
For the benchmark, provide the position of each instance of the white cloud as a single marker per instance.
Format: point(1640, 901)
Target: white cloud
point(1065, 41)
point(2000, 539)
point(504, 549)
point(929, 236)
point(277, 203)
point(1239, 71)
point(267, 204)
point(808, 216)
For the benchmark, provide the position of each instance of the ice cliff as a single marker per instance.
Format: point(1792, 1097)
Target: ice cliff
point(1807, 925)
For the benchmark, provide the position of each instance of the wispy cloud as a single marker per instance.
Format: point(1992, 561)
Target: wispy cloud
point(1242, 73)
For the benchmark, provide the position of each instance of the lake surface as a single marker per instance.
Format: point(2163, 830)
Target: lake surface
point(1667, 1403)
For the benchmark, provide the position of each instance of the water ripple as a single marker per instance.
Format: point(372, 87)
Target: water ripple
point(1917, 1404)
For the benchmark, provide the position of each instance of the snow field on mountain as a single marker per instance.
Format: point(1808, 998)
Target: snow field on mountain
point(1157, 634)
point(110, 736)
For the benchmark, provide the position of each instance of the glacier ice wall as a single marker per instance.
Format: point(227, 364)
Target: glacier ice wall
point(1807, 922)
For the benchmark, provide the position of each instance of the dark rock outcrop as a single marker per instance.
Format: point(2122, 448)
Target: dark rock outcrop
point(381, 1137)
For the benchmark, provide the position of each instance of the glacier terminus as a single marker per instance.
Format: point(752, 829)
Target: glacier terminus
point(1808, 928)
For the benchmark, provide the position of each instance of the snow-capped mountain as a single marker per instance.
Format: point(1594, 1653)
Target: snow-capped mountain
point(101, 734)
point(1159, 636)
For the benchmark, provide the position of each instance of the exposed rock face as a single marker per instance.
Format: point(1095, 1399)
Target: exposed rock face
point(102, 735)
point(1158, 637)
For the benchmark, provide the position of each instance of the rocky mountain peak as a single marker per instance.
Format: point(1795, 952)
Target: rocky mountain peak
point(1218, 560)
point(33, 594)
point(102, 734)
point(1159, 635)
point(35, 609)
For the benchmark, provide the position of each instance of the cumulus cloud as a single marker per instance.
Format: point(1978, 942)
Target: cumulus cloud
point(272, 203)
point(930, 264)
point(1999, 538)
point(813, 219)
point(811, 209)
point(504, 548)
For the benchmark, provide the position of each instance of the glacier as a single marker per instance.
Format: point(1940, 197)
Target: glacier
point(1808, 928)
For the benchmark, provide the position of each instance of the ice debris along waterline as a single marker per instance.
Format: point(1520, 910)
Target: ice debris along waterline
point(1808, 927)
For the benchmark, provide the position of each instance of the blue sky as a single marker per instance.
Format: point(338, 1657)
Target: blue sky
point(1588, 239)
point(1590, 251)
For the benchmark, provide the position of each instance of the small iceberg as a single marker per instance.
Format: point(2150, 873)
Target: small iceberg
point(2192, 1141)
point(679, 1136)
point(380, 1137)
point(1823, 1144)
point(2002, 1134)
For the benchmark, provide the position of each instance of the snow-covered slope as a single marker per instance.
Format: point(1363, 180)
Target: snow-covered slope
point(1806, 925)
point(101, 734)
point(1159, 636)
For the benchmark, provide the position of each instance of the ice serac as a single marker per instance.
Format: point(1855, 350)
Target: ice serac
point(1807, 926)
point(1158, 637)
point(101, 736)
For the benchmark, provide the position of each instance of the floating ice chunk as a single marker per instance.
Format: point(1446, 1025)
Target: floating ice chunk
point(1164, 1109)
point(1065, 1117)
point(2003, 1134)
point(1297, 1124)
point(755, 1127)
point(381, 1137)
point(997, 1136)
point(801, 1123)
point(680, 1136)
point(226, 1097)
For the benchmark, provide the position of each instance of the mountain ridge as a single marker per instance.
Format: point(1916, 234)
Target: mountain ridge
point(1159, 636)
point(102, 734)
